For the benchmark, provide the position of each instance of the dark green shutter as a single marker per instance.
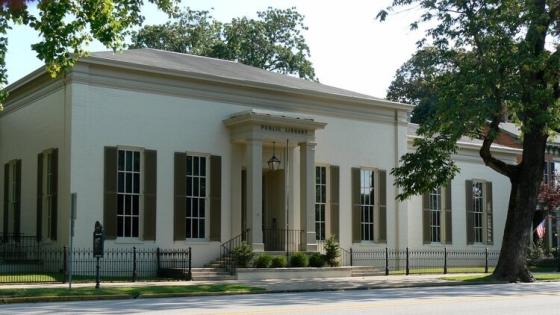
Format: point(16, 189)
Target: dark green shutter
point(382, 224)
point(39, 218)
point(448, 215)
point(110, 193)
point(150, 195)
point(180, 193)
point(17, 202)
point(215, 198)
point(6, 198)
point(469, 208)
point(54, 198)
point(426, 219)
point(489, 215)
point(334, 194)
point(356, 206)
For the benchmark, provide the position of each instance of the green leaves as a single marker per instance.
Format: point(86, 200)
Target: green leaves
point(274, 41)
point(67, 26)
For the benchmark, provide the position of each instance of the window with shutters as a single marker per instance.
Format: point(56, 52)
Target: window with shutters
point(129, 187)
point(197, 196)
point(48, 193)
point(549, 173)
point(478, 211)
point(320, 201)
point(367, 203)
point(435, 209)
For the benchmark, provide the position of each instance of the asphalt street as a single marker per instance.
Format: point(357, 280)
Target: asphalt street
point(539, 298)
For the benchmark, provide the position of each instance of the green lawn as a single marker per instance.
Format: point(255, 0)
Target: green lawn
point(126, 291)
point(490, 278)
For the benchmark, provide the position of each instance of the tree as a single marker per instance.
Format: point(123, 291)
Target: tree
point(507, 61)
point(66, 27)
point(273, 41)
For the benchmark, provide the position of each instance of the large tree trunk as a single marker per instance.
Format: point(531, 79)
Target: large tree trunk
point(525, 183)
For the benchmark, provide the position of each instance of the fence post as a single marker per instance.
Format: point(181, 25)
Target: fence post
point(190, 264)
point(351, 257)
point(386, 261)
point(407, 263)
point(445, 260)
point(158, 262)
point(134, 264)
point(65, 264)
point(486, 260)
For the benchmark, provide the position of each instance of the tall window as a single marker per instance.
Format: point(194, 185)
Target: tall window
point(49, 190)
point(320, 201)
point(12, 198)
point(367, 203)
point(197, 196)
point(478, 211)
point(435, 208)
point(128, 195)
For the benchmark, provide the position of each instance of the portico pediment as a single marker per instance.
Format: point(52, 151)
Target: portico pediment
point(272, 126)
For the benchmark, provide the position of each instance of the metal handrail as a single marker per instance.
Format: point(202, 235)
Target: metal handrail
point(227, 260)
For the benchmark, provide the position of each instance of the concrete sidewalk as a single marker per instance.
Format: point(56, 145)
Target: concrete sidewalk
point(283, 285)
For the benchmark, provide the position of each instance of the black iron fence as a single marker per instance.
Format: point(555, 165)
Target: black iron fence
point(17, 246)
point(123, 264)
point(419, 261)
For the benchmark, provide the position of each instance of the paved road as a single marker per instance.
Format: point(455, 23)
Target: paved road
point(541, 298)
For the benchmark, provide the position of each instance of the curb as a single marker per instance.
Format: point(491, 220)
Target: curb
point(15, 300)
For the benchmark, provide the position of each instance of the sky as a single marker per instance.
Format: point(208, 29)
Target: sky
point(349, 48)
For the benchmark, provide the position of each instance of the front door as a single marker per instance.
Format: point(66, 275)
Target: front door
point(274, 214)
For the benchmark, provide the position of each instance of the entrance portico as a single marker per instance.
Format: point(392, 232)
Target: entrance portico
point(256, 131)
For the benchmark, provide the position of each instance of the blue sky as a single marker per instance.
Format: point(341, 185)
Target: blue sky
point(349, 48)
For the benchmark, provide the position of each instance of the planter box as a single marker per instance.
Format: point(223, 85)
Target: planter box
point(293, 273)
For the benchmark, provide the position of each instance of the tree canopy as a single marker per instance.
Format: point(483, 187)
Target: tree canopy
point(273, 41)
point(489, 57)
point(66, 27)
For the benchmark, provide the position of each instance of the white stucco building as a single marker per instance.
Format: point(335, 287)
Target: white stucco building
point(171, 150)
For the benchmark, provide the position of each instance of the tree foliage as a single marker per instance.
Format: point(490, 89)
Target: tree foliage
point(481, 60)
point(274, 41)
point(67, 26)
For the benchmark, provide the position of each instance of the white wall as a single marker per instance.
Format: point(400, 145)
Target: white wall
point(25, 132)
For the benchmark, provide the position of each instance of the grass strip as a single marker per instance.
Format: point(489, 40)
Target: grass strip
point(133, 292)
point(491, 279)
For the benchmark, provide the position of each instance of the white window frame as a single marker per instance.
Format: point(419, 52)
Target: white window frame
point(479, 211)
point(434, 204)
point(140, 193)
point(206, 198)
point(373, 233)
point(324, 202)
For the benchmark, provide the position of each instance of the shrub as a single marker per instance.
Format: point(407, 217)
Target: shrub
point(332, 251)
point(316, 260)
point(278, 262)
point(243, 254)
point(263, 261)
point(298, 260)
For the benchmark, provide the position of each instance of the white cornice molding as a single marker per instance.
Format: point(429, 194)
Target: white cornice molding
point(476, 147)
point(32, 95)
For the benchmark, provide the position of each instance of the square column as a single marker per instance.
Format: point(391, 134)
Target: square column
point(307, 194)
point(254, 194)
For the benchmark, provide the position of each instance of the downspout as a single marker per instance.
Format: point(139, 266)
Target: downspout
point(396, 189)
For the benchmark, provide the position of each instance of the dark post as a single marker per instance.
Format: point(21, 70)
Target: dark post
point(486, 260)
point(407, 263)
point(386, 261)
point(158, 263)
point(98, 242)
point(184, 262)
point(65, 263)
point(134, 264)
point(190, 265)
point(351, 257)
point(445, 260)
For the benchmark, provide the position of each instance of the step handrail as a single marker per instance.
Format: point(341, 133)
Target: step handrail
point(227, 261)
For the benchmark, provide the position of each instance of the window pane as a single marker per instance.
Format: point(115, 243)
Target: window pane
point(195, 228)
point(120, 226)
point(195, 207)
point(136, 183)
point(136, 205)
point(128, 182)
point(134, 227)
point(121, 182)
point(128, 163)
point(202, 208)
point(202, 187)
point(127, 226)
point(195, 165)
point(201, 232)
point(195, 187)
point(120, 204)
point(137, 161)
point(203, 166)
point(189, 228)
point(189, 165)
point(127, 203)
point(189, 186)
point(121, 161)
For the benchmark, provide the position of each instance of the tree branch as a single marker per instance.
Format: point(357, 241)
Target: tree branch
point(490, 161)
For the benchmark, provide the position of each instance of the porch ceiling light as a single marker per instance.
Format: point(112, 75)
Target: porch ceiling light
point(274, 162)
